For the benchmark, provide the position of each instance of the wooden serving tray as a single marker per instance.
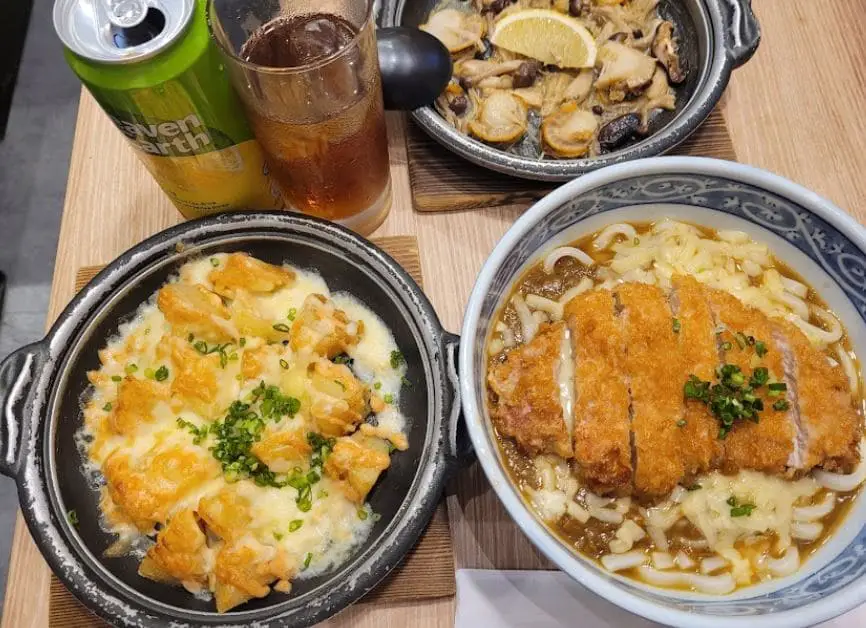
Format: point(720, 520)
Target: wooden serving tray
point(443, 181)
point(427, 572)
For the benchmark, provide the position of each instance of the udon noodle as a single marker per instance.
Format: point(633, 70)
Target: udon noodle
point(717, 530)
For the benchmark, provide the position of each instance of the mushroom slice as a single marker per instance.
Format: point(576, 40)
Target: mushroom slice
point(501, 118)
point(659, 94)
point(665, 50)
point(472, 71)
point(625, 71)
point(569, 131)
point(458, 30)
point(580, 87)
point(620, 131)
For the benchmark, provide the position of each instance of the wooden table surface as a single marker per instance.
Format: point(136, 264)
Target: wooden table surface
point(795, 109)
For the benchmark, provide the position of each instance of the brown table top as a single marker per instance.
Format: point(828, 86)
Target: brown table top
point(794, 109)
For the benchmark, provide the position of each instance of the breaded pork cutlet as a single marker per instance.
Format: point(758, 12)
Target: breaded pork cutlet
point(527, 405)
point(699, 354)
point(602, 428)
point(766, 445)
point(829, 427)
point(656, 376)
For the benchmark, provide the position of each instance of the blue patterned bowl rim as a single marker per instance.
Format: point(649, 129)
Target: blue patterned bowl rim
point(774, 203)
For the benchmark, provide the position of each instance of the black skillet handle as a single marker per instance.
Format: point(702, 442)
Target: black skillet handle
point(17, 374)
point(742, 31)
point(459, 444)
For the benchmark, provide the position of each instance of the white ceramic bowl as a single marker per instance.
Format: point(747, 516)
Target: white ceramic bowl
point(817, 239)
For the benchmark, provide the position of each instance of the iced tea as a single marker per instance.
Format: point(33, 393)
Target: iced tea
point(310, 84)
point(332, 162)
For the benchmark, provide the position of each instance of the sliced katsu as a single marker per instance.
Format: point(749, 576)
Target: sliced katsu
point(529, 405)
point(699, 353)
point(602, 430)
point(768, 444)
point(650, 370)
point(656, 379)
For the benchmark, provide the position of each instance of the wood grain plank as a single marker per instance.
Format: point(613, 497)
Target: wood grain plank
point(794, 109)
point(442, 181)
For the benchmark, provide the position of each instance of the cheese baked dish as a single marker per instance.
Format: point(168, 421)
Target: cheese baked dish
point(675, 403)
point(239, 423)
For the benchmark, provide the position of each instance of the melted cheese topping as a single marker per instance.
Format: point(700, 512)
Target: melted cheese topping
point(157, 384)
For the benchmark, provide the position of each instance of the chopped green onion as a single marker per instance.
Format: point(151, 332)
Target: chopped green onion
point(72, 517)
point(308, 559)
point(727, 346)
point(743, 510)
point(116, 378)
point(694, 487)
point(740, 337)
point(377, 385)
point(130, 369)
point(107, 407)
point(284, 364)
point(389, 398)
point(362, 514)
point(190, 338)
point(760, 349)
point(397, 359)
point(278, 536)
point(295, 525)
point(161, 374)
point(636, 241)
point(781, 405)
point(676, 326)
point(778, 386)
point(760, 376)
point(405, 382)
point(681, 423)
point(282, 327)
point(242, 342)
point(293, 312)
point(214, 262)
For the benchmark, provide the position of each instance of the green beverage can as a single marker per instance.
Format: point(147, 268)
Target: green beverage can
point(153, 68)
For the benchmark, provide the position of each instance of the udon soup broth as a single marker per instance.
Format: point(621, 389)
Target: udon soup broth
point(677, 404)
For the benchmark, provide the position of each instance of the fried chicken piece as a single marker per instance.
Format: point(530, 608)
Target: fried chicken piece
point(323, 329)
point(338, 400)
point(180, 553)
point(193, 309)
point(243, 272)
point(356, 463)
point(136, 399)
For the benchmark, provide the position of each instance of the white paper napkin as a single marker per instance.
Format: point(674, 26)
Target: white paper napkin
point(550, 599)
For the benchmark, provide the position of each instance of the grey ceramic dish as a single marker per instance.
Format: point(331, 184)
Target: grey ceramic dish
point(715, 36)
point(41, 386)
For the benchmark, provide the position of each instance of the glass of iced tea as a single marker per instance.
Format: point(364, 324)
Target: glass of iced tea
point(307, 73)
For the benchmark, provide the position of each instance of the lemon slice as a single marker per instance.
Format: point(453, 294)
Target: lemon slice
point(549, 36)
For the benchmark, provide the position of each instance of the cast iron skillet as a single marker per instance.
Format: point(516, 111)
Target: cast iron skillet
point(716, 36)
point(41, 385)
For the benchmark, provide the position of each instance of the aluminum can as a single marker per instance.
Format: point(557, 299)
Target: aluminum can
point(155, 71)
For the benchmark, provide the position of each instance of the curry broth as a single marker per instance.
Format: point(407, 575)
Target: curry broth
point(592, 538)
